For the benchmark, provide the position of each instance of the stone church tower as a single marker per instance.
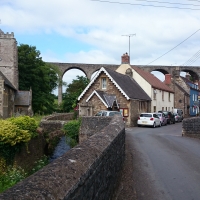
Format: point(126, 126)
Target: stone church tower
point(8, 57)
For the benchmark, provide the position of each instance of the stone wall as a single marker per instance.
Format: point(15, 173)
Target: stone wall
point(191, 127)
point(9, 57)
point(55, 122)
point(92, 125)
point(88, 171)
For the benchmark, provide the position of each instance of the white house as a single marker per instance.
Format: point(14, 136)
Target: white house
point(161, 95)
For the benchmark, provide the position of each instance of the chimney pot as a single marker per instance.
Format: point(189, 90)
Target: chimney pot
point(125, 59)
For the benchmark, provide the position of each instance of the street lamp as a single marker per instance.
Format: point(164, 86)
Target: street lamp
point(129, 35)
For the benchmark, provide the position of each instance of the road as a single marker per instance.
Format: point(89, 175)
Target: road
point(164, 165)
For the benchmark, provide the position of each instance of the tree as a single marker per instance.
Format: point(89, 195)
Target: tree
point(73, 90)
point(41, 77)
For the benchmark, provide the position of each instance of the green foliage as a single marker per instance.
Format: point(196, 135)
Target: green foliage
point(41, 77)
point(71, 130)
point(10, 177)
point(11, 134)
point(72, 93)
point(39, 164)
point(25, 123)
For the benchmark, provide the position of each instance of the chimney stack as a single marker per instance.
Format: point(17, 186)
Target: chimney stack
point(167, 79)
point(125, 59)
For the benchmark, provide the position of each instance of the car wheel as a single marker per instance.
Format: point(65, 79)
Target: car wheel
point(160, 124)
point(154, 125)
point(173, 122)
point(138, 125)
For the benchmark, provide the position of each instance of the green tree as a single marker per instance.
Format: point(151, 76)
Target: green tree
point(72, 93)
point(41, 77)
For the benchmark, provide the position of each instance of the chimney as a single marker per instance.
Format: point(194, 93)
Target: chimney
point(125, 59)
point(168, 79)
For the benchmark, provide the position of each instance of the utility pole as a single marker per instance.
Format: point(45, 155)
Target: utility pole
point(129, 35)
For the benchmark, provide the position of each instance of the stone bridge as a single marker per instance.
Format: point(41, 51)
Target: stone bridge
point(89, 69)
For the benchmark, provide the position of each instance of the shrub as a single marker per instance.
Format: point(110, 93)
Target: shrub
point(12, 176)
point(71, 130)
point(39, 164)
point(25, 123)
point(11, 134)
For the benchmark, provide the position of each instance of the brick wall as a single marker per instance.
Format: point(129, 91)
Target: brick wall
point(191, 127)
point(88, 171)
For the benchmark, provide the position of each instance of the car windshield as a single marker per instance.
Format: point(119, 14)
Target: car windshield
point(145, 115)
point(114, 113)
point(159, 114)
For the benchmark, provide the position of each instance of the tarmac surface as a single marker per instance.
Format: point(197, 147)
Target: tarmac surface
point(160, 164)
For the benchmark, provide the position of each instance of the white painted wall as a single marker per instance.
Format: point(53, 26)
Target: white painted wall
point(158, 102)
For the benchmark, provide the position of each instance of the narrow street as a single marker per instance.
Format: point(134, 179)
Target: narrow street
point(160, 165)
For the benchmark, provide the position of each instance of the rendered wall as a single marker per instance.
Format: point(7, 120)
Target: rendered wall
point(89, 171)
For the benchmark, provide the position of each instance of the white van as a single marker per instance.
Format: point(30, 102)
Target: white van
point(178, 111)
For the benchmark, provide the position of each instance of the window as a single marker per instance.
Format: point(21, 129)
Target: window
point(162, 108)
point(169, 96)
point(103, 83)
point(154, 109)
point(154, 95)
point(162, 95)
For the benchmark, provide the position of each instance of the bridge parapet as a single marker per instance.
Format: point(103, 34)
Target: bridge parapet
point(88, 171)
point(191, 127)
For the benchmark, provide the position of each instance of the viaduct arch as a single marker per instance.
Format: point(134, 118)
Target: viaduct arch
point(89, 69)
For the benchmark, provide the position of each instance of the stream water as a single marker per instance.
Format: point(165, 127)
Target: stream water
point(60, 149)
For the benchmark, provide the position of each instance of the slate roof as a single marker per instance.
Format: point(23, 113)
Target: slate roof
point(22, 98)
point(7, 82)
point(152, 80)
point(187, 82)
point(107, 99)
point(125, 84)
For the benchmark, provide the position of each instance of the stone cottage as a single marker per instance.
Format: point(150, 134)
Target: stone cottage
point(10, 97)
point(110, 90)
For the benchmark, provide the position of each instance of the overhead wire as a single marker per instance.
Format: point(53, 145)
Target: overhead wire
point(156, 6)
point(174, 47)
point(166, 2)
point(193, 59)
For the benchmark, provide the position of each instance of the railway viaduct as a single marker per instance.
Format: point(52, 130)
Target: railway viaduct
point(89, 69)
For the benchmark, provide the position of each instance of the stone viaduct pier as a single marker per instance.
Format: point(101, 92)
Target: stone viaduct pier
point(90, 69)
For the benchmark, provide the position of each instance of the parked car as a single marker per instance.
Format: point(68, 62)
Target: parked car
point(170, 116)
point(179, 112)
point(163, 119)
point(148, 119)
point(178, 118)
point(108, 113)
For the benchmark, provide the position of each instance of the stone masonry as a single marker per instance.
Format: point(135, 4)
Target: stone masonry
point(89, 171)
point(9, 57)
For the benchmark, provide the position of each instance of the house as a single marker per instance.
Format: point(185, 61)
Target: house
point(110, 90)
point(193, 92)
point(11, 99)
point(181, 93)
point(162, 95)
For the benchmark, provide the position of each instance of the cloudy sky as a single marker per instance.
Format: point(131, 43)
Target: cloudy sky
point(94, 31)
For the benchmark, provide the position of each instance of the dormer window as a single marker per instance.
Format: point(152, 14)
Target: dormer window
point(103, 83)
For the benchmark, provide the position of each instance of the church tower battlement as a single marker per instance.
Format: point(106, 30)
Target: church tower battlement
point(9, 57)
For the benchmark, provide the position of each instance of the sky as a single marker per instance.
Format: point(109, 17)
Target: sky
point(162, 32)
